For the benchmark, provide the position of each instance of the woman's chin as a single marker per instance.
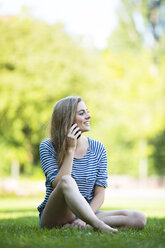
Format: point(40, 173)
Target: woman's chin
point(85, 130)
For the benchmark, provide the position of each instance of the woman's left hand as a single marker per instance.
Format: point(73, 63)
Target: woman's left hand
point(77, 224)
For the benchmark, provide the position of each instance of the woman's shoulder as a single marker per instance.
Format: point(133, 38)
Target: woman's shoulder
point(47, 144)
point(96, 145)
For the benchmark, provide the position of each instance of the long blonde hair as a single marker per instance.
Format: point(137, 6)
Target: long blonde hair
point(62, 118)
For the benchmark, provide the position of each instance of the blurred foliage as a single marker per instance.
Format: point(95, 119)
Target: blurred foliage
point(134, 72)
point(123, 86)
point(158, 155)
point(39, 64)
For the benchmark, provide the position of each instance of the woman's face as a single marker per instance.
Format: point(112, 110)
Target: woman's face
point(82, 117)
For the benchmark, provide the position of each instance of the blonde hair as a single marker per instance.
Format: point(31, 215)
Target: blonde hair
point(62, 118)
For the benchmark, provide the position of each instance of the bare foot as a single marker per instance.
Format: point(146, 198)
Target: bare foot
point(99, 226)
point(105, 228)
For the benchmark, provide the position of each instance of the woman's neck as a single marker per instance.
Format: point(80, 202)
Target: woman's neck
point(82, 147)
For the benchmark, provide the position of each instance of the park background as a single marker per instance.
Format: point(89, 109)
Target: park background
point(120, 73)
point(121, 80)
point(112, 54)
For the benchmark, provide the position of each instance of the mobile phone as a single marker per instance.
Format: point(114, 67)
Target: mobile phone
point(77, 131)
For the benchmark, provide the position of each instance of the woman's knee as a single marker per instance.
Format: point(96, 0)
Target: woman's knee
point(139, 219)
point(67, 183)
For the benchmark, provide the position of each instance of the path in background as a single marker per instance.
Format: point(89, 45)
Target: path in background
point(119, 187)
point(125, 186)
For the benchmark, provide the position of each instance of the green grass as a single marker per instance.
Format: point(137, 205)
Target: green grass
point(19, 227)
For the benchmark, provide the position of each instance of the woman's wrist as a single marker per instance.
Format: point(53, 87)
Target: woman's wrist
point(71, 151)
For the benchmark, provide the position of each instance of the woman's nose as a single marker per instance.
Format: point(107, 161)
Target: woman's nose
point(88, 116)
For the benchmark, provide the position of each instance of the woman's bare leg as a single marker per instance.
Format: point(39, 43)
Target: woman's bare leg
point(123, 218)
point(65, 202)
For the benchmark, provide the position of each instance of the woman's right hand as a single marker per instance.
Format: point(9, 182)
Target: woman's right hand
point(72, 137)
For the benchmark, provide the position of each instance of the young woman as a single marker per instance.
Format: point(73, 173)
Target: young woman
point(75, 168)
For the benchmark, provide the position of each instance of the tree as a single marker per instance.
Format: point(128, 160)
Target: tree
point(158, 155)
point(39, 64)
point(136, 87)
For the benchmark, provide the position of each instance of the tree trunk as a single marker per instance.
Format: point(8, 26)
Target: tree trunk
point(15, 169)
point(143, 163)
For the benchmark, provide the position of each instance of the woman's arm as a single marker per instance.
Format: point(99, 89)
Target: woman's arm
point(66, 167)
point(98, 199)
point(101, 181)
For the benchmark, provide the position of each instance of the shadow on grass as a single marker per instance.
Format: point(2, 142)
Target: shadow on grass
point(25, 220)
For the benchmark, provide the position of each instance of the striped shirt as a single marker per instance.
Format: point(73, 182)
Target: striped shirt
point(88, 171)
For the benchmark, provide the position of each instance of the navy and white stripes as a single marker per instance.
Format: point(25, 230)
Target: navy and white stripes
point(87, 171)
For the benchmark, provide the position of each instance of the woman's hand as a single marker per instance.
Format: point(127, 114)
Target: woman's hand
point(73, 135)
point(77, 224)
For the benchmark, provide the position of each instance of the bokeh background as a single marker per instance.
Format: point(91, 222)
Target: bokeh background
point(112, 53)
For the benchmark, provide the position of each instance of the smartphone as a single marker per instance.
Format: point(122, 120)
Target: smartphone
point(77, 132)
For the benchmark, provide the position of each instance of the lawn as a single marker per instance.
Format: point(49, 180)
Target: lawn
point(19, 227)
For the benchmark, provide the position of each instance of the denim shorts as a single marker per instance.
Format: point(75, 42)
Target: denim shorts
point(40, 216)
